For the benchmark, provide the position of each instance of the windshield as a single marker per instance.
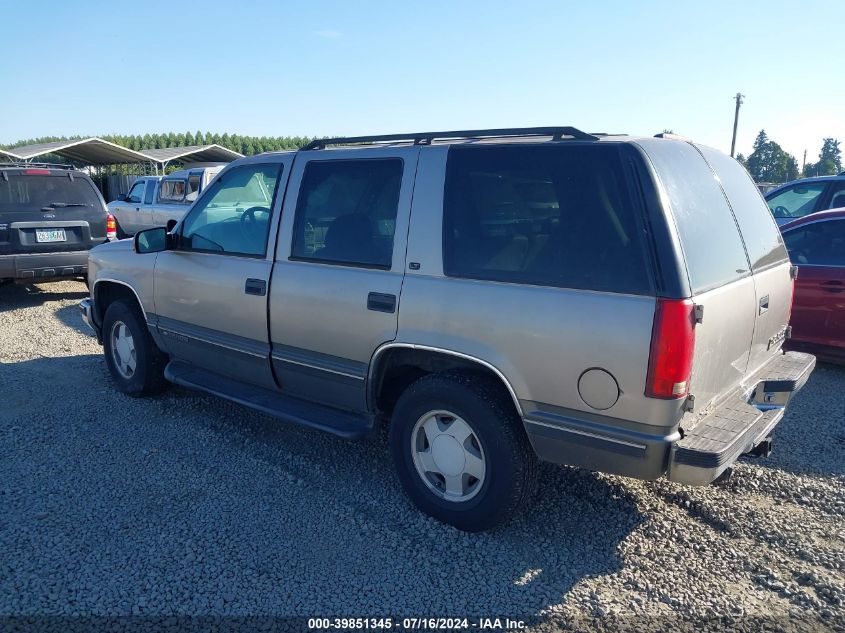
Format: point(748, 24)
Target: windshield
point(22, 192)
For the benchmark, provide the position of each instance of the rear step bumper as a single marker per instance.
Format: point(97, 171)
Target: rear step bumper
point(44, 265)
point(740, 423)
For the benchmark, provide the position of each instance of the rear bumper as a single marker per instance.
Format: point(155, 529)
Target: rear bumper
point(44, 265)
point(737, 425)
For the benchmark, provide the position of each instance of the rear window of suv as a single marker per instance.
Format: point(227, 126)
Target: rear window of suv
point(27, 192)
point(552, 215)
point(760, 232)
point(710, 240)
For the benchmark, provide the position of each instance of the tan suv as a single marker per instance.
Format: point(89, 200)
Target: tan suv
point(494, 296)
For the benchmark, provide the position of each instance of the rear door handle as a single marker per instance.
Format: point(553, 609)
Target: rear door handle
point(832, 286)
point(255, 287)
point(381, 302)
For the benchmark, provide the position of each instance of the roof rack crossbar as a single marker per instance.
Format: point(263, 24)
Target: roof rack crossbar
point(425, 138)
point(24, 164)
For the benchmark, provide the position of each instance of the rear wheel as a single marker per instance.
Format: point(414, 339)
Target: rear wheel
point(134, 361)
point(460, 451)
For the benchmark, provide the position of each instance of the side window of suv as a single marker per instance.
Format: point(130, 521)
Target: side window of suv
point(234, 216)
point(151, 190)
point(796, 201)
point(136, 194)
point(346, 212)
point(554, 216)
point(818, 243)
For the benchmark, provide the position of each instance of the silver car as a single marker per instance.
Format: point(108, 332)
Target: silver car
point(156, 200)
point(494, 296)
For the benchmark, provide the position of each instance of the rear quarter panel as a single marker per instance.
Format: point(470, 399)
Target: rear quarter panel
point(540, 338)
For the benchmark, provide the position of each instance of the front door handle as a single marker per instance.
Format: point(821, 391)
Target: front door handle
point(381, 302)
point(255, 287)
point(832, 286)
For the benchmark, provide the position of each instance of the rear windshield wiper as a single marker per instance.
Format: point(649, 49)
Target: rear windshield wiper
point(62, 205)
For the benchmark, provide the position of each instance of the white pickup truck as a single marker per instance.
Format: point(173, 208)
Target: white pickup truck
point(155, 200)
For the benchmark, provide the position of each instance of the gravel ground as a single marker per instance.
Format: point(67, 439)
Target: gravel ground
point(186, 504)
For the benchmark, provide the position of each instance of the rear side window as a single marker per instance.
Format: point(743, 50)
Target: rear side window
point(25, 192)
point(346, 212)
point(556, 215)
point(151, 189)
point(712, 247)
point(760, 233)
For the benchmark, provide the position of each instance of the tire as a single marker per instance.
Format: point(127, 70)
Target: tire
point(508, 465)
point(146, 376)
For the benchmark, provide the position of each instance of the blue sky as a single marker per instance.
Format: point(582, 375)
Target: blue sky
point(326, 68)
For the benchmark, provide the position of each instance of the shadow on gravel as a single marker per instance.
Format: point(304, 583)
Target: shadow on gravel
point(187, 504)
point(71, 317)
point(810, 440)
point(15, 296)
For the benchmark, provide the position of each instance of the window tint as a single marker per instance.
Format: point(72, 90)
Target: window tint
point(557, 215)
point(31, 192)
point(172, 190)
point(710, 241)
point(136, 194)
point(346, 211)
point(151, 189)
point(796, 201)
point(819, 243)
point(760, 233)
point(234, 215)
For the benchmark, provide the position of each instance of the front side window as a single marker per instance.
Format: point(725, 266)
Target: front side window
point(797, 201)
point(151, 189)
point(172, 190)
point(557, 215)
point(346, 212)
point(136, 194)
point(233, 217)
point(819, 243)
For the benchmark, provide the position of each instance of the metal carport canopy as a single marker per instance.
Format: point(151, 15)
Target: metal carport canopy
point(4, 153)
point(193, 154)
point(92, 151)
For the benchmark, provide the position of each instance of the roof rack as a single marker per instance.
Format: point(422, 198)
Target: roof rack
point(425, 138)
point(40, 165)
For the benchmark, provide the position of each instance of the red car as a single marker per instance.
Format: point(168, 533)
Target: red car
point(816, 244)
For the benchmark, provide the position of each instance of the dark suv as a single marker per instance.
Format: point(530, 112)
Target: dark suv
point(50, 217)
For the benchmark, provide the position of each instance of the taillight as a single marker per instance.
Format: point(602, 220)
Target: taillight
point(111, 227)
point(672, 347)
point(36, 172)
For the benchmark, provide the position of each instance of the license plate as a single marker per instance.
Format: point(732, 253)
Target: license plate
point(50, 235)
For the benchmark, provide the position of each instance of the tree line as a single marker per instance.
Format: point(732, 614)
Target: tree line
point(769, 162)
point(246, 145)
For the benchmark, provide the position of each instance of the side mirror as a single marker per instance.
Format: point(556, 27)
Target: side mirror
point(171, 224)
point(121, 197)
point(151, 240)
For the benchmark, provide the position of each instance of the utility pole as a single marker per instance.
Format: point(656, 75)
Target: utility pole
point(804, 163)
point(738, 99)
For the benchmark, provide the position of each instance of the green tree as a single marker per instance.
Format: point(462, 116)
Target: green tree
point(769, 162)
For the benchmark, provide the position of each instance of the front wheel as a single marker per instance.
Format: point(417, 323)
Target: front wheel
point(460, 451)
point(134, 361)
